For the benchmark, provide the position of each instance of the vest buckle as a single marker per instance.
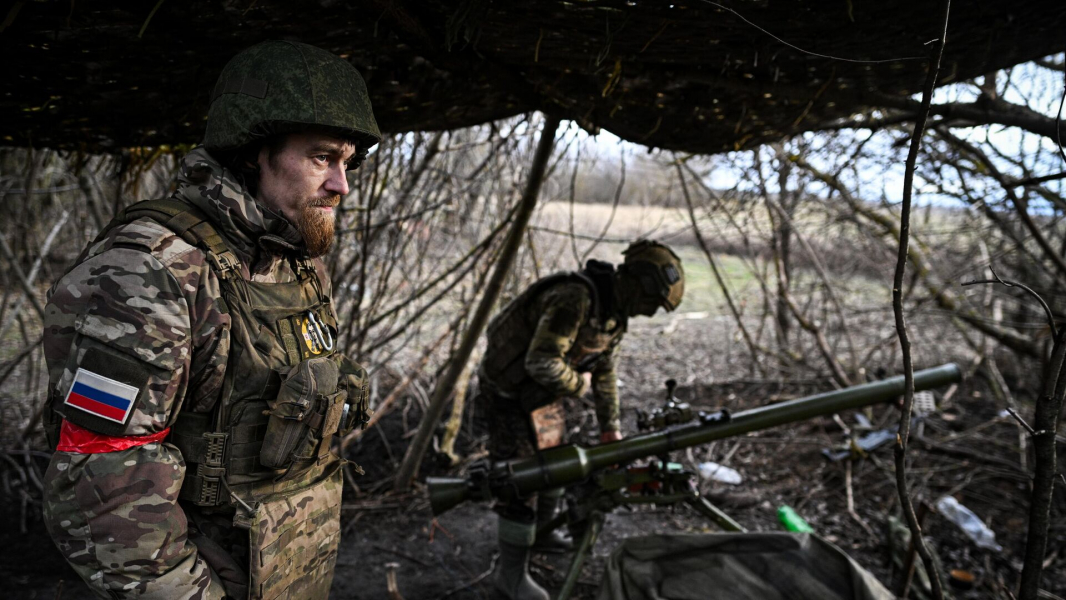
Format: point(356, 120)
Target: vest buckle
point(211, 471)
point(244, 520)
point(223, 262)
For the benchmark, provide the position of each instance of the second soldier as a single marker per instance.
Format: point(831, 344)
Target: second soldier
point(559, 339)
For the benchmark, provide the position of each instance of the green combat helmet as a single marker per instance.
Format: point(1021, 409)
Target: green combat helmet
point(657, 271)
point(282, 87)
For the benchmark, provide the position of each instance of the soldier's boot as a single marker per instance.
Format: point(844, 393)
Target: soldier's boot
point(557, 540)
point(512, 571)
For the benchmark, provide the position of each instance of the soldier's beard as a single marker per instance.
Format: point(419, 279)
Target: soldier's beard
point(316, 226)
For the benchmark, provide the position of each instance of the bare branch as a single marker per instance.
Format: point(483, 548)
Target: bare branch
point(901, 324)
point(717, 273)
point(1047, 310)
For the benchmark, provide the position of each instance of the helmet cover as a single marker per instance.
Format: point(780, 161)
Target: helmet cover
point(658, 271)
point(282, 87)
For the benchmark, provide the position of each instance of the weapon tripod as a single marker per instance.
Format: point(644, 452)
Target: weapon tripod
point(602, 487)
point(661, 483)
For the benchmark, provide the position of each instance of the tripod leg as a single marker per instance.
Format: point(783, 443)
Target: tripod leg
point(712, 512)
point(584, 548)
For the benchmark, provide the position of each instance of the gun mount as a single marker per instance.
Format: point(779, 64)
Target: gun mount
point(566, 465)
point(603, 481)
point(675, 412)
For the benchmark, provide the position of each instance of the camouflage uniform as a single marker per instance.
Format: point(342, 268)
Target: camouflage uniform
point(143, 295)
point(538, 347)
point(194, 387)
point(568, 339)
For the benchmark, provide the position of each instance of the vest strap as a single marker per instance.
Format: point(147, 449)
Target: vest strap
point(189, 223)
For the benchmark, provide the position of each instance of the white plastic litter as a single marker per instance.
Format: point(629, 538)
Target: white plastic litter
point(971, 524)
point(924, 403)
point(721, 473)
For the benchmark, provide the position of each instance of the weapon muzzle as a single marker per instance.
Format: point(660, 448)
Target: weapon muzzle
point(447, 492)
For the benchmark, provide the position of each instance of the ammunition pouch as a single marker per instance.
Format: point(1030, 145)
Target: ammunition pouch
point(549, 425)
point(316, 400)
point(355, 382)
point(303, 418)
point(212, 456)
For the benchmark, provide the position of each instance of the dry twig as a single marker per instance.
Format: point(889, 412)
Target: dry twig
point(901, 324)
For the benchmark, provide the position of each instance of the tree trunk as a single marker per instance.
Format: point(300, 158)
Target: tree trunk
point(413, 458)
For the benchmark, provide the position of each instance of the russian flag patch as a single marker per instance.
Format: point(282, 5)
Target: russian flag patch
point(101, 396)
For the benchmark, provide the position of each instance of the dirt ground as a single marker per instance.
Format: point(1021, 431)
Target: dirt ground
point(441, 559)
point(966, 449)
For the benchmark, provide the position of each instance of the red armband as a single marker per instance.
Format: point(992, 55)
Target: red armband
point(79, 440)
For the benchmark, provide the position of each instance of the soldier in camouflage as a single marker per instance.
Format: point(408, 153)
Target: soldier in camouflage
point(560, 339)
point(194, 387)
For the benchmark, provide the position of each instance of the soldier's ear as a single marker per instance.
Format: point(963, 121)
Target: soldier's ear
point(257, 161)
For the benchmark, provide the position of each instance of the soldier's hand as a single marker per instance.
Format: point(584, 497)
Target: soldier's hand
point(587, 385)
point(610, 436)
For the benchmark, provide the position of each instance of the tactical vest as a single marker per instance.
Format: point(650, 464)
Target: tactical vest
point(264, 450)
point(275, 328)
point(510, 333)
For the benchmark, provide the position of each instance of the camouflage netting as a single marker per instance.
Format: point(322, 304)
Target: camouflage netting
point(690, 75)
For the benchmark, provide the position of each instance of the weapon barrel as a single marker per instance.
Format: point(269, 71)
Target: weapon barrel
point(566, 465)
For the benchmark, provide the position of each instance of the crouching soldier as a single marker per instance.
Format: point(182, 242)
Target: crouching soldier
point(560, 339)
point(195, 389)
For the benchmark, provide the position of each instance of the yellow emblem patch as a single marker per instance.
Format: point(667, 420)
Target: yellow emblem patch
point(310, 336)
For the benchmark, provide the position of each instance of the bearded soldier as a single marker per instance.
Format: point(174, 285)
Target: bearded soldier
point(194, 386)
point(560, 339)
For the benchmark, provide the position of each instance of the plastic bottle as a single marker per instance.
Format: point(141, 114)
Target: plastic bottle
point(792, 521)
point(971, 524)
point(722, 473)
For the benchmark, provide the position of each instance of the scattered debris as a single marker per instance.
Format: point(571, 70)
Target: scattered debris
point(962, 579)
point(792, 521)
point(857, 447)
point(971, 524)
point(390, 578)
point(720, 473)
point(924, 403)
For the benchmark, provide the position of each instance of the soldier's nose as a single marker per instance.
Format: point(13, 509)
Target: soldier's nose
point(337, 182)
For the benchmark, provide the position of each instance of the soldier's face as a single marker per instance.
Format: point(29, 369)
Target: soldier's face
point(304, 180)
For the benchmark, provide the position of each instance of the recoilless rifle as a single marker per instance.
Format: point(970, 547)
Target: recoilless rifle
point(603, 479)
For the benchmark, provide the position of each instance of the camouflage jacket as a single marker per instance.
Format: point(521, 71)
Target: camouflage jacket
point(565, 338)
point(143, 294)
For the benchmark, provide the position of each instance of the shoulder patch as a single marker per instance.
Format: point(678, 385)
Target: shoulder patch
point(105, 391)
point(101, 396)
